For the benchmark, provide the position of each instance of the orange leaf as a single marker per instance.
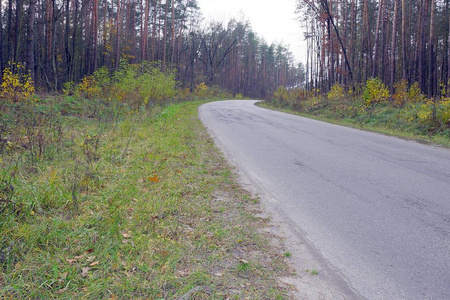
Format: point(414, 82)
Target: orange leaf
point(94, 263)
point(154, 178)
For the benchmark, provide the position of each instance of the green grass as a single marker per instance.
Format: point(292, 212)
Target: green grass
point(139, 206)
point(384, 119)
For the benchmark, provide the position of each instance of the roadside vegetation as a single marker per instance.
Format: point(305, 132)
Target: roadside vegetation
point(406, 112)
point(115, 190)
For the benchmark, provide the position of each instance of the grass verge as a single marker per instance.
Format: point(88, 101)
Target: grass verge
point(145, 207)
point(385, 120)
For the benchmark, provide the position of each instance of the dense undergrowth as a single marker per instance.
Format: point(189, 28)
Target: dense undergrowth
point(112, 192)
point(406, 112)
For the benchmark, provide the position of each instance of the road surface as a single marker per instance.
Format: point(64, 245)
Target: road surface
point(376, 208)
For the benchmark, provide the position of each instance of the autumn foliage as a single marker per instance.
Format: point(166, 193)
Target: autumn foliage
point(16, 85)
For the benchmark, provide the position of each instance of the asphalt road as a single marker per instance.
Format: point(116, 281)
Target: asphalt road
point(377, 208)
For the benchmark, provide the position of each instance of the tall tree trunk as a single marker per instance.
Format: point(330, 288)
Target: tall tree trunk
point(155, 14)
point(393, 46)
point(173, 35)
point(422, 68)
point(377, 39)
point(17, 30)
point(74, 41)
point(88, 37)
point(1, 43)
point(404, 49)
point(49, 32)
point(165, 35)
point(144, 47)
point(66, 39)
point(431, 64)
point(444, 75)
point(353, 29)
point(9, 31)
point(448, 52)
point(105, 34)
point(327, 9)
point(94, 35)
point(118, 34)
point(30, 39)
point(366, 51)
point(330, 61)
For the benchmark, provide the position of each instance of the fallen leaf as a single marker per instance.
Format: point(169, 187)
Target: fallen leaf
point(243, 261)
point(126, 235)
point(64, 275)
point(154, 178)
point(90, 258)
point(71, 261)
point(124, 241)
point(95, 263)
point(79, 256)
point(85, 271)
point(219, 274)
point(89, 250)
point(60, 291)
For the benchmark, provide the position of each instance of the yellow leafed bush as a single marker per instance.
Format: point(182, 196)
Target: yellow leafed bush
point(336, 93)
point(375, 92)
point(17, 85)
point(201, 90)
point(435, 113)
point(88, 87)
point(281, 94)
point(404, 95)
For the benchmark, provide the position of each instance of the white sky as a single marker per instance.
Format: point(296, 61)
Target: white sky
point(272, 20)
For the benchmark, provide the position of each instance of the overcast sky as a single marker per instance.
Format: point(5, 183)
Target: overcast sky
point(272, 20)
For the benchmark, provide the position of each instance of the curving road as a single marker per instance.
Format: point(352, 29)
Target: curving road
point(376, 208)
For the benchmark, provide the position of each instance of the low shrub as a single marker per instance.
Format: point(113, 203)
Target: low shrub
point(375, 92)
point(17, 85)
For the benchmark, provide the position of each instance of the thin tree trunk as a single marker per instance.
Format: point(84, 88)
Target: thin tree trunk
point(155, 13)
point(330, 56)
point(66, 39)
point(366, 51)
point(49, 33)
point(30, 39)
point(327, 8)
point(105, 34)
point(173, 35)
point(165, 36)
point(118, 34)
point(1, 43)
point(95, 34)
point(74, 41)
point(431, 86)
point(404, 50)
point(145, 33)
point(393, 45)
point(17, 30)
point(448, 52)
point(377, 39)
point(9, 31)
point(422, 47)
point(444, 74)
